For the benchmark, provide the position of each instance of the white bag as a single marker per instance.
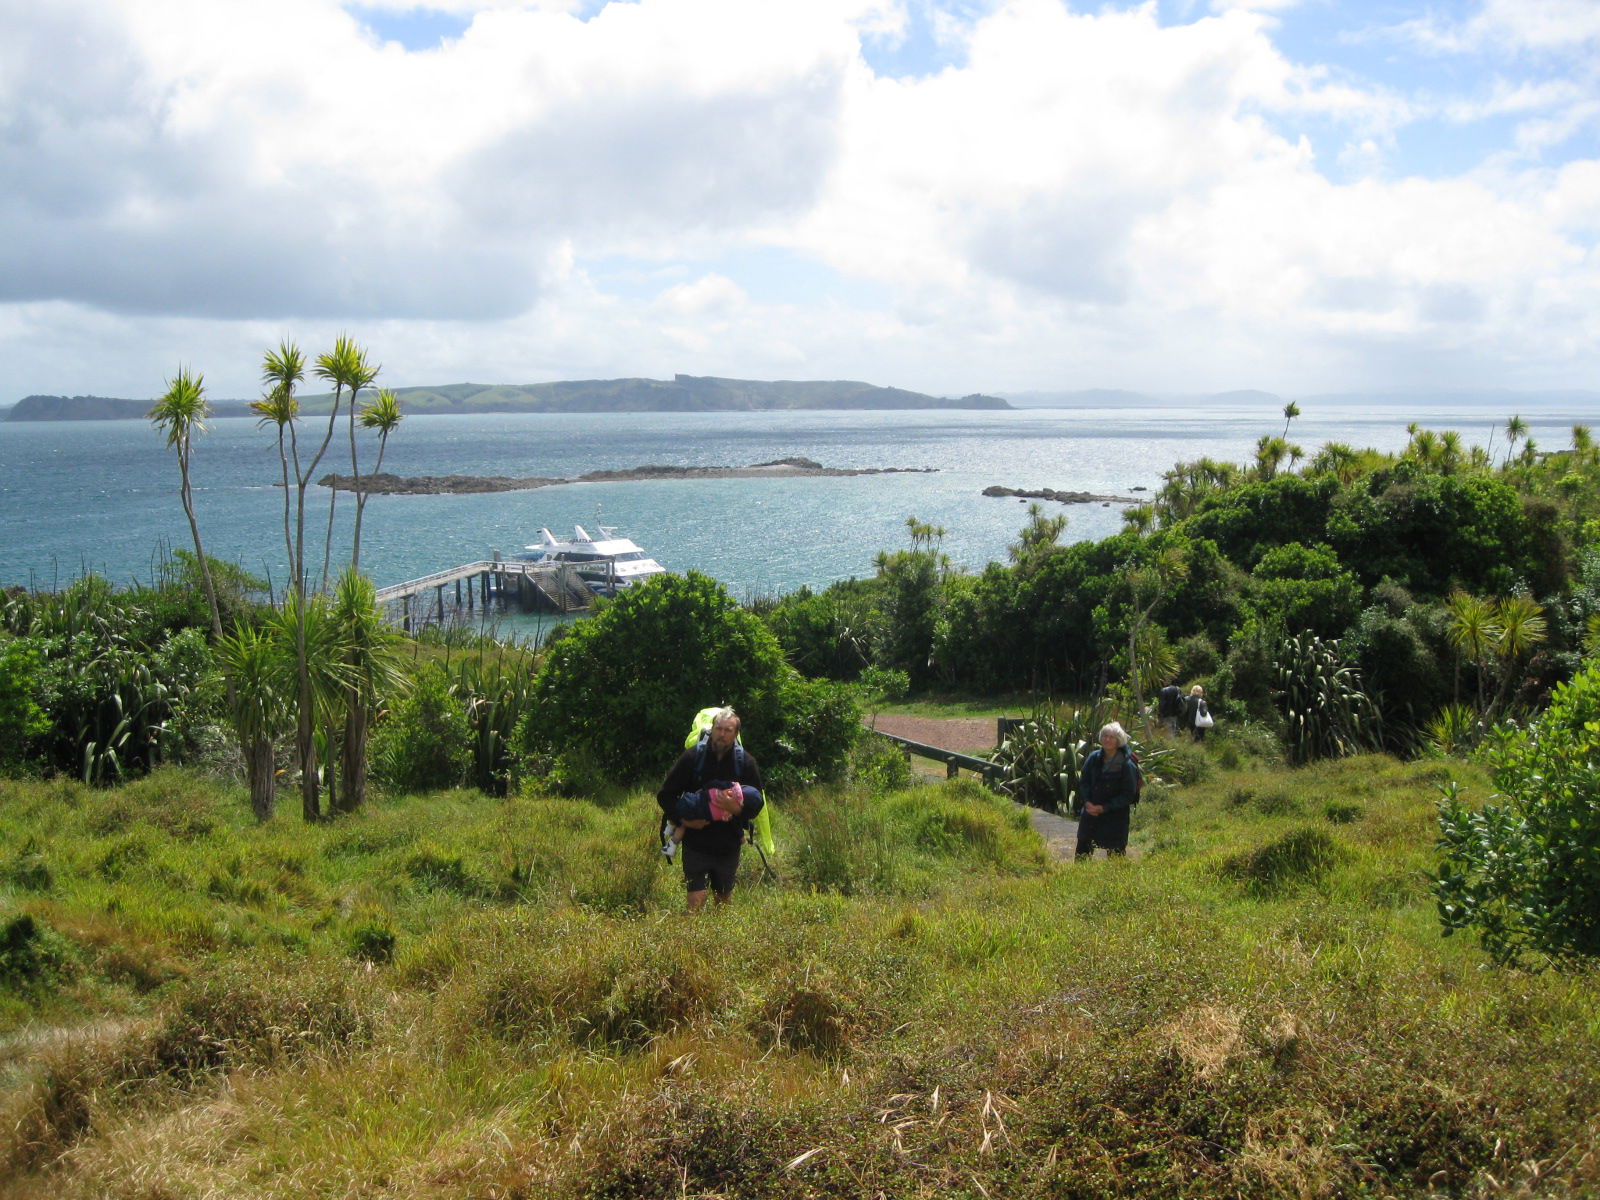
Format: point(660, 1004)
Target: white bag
point(1203, 718)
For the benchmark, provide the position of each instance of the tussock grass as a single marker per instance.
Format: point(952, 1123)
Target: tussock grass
point(453, 996)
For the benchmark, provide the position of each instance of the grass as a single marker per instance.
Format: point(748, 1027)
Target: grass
point(452, 996)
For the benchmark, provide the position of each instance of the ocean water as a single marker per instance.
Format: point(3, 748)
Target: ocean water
point(102, 496)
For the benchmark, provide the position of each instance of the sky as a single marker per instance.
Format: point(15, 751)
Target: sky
point(952, 196)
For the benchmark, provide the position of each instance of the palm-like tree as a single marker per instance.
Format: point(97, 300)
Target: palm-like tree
point(1474, 631)
point(383, 416)
point(1270, 453)
point(1149, 582)
point(1522, 627)
point(1449, 451)
point(346, 367)
point(181, 414)
point(1516, 430)
point(367, 646)
point(1291, 410)
point(258, 705)
point(282, 370)
point(1038, 537)
point(1339, 460)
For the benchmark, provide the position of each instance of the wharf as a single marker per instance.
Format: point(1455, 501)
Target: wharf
point(548, 587)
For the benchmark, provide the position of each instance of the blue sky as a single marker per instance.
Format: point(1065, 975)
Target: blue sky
point(950, 195)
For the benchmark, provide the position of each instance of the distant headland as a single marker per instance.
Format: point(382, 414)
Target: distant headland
point(682, 393)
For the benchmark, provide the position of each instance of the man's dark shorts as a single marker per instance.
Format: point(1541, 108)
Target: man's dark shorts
point(719, 870)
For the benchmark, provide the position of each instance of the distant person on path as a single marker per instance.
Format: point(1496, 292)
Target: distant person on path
point(1169, 707)
point(1196, 716)
point(1108, 787)
point(720, 779)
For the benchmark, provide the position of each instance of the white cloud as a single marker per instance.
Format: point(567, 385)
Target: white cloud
point(1084, 198)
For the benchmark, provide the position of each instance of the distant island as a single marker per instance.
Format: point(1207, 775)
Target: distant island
point(438, 485)
point(682, 393)
point(995, 489)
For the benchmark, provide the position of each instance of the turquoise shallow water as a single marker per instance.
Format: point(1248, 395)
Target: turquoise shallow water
point(103, 495)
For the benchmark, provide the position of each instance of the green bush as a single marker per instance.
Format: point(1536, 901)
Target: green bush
point(623, 686)
point(1326, 714)
point(424, 744)
point(1523, 871)
point(32, 953)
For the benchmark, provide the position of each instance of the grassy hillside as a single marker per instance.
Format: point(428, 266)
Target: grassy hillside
point(451, 996)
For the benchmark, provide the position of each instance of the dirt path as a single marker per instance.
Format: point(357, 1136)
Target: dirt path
point(968, 735)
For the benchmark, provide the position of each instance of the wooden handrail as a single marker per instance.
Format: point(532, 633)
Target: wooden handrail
point(953, 760)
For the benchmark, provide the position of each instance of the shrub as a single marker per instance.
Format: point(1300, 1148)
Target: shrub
point(32, 953)
point(424, 744)
point(1326, 714)
point(1042, 756)
point(1523, 871)
point(624, 684)
point(880, 766)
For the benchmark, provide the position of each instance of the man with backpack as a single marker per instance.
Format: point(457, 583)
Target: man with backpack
point(1108, 788)
point(1169, 707)
point(710, 852)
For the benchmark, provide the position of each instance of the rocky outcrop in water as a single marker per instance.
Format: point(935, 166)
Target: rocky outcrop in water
point(437, 485)
point(1059, 497)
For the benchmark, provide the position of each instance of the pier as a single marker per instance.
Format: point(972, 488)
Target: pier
point(547, 587)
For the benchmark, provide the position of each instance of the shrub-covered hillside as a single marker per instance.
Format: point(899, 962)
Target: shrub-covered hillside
point(455, 996)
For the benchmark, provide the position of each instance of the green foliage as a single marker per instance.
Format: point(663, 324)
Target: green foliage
point(819, 725)
point(836, 633)
point(1325, 712)
point(22, 720)
point(32, 954)
point(1399, 647)
point(1305, 588)
point(424, 744)
point(105, 674)
point(1042, 756)
point(1522, 870)
point(498, 692)
point(913, 602)
point(624, 684)
point(880, 766)
point(1454, 729)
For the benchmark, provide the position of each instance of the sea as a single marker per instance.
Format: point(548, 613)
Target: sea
point(103, 496)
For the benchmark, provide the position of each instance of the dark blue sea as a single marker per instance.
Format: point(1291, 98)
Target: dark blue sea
point(102, 496)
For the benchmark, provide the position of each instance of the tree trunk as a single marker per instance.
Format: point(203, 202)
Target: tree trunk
point(305, 746)
point(259, 767)
point(353, 758)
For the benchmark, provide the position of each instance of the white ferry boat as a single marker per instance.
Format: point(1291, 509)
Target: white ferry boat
point(608, 564)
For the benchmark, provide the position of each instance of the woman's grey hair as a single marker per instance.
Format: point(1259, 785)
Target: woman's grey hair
point(1116, 731)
